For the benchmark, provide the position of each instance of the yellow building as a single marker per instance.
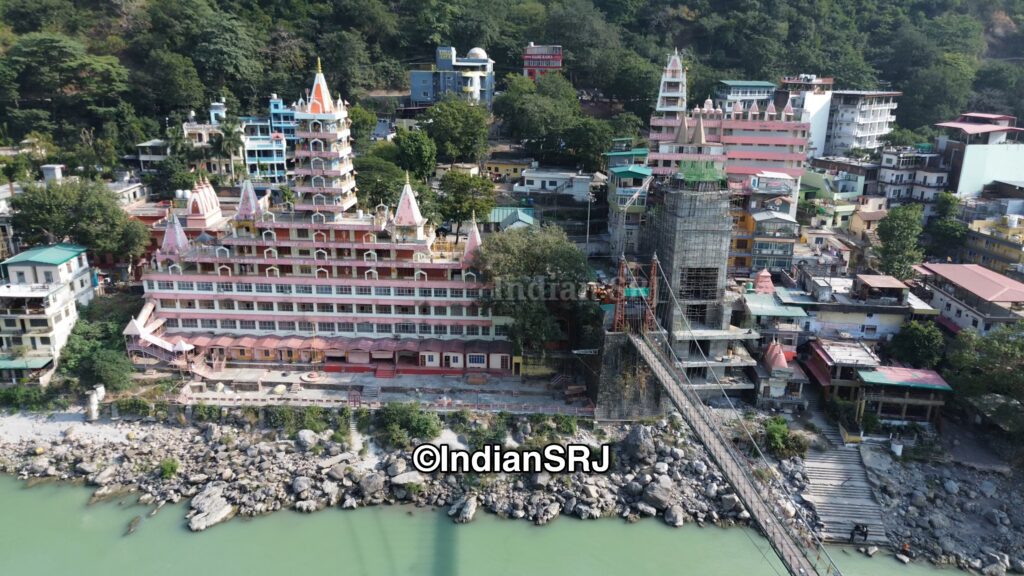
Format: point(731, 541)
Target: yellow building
point(511, 168)
point(996, 245)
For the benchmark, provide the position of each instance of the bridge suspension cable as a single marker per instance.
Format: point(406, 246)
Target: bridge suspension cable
point(783, 539)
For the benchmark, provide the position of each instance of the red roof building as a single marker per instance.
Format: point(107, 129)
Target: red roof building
point(970, 296)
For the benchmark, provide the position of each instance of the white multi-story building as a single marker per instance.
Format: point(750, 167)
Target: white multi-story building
point(811, 96)
point(980, 149)
point(39, 298)
point(912, 174)
point(859, 119)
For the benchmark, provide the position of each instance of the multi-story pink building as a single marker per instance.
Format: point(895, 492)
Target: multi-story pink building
point(316, 283)
point(746, 143)
point(743, 142)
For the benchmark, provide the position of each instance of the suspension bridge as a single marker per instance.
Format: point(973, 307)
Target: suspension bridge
point(800, 551)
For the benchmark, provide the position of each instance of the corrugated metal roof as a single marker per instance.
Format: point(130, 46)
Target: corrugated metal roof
point(984, 283)
point(904, 378)
point(53, 255)
point(766, 305)
point(31, 363)
point(756, 83)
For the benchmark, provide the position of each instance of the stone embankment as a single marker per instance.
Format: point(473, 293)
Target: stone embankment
point(658, 471)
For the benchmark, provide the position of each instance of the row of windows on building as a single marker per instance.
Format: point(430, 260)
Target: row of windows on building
point(321, 289)
point(330, 328)
point(327, 308)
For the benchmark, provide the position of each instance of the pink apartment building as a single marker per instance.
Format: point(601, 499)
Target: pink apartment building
point(319, 284)
point(742, 142)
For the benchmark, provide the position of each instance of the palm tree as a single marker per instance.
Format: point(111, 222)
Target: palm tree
point(228, 142)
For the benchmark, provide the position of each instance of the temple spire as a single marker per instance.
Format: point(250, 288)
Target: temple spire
point(473, 241)
point(319, 69)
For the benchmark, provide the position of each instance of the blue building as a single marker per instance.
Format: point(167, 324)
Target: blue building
point(471, 78)
point(267, 140)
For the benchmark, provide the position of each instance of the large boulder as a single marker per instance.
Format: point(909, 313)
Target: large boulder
point(464, 509)
point(951, 486)
point(674, 516)
point(397, 467)
point(210, 507)
point(730, 502)
point(105, 476)
point(371, 483)
point(411, 477)
point(659, 495)
point(301, 484)
point(639, 445)
point(306, 439)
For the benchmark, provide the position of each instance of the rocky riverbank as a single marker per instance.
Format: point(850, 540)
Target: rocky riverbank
point(951, 514)
point(227, 470)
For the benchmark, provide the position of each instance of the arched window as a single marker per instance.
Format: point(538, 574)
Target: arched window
point(174, 269)
point(270, 235)
point(269, 217)
point(369, 256)
point(469, 277)
point(224, 270)
point(370, 274)
point(369, 238)
point(420, 257)
point(320, 255)
point(322, 273)
point(223, 252)
point(420, 275)
point(270, 253)
point(319, 200)
point(318, 218)
point(273, 272)
point(319, 237)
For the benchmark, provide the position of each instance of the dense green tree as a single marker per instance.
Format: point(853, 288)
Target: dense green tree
point(537, 273)
point(380, 181)
point(227, 55)
point(899, 233)
point(946, 233)
point(458, 129)
point(587, 141)
point(978, 364)
point(86, 212)
point(15, 169)
point(171, 83)
point(57, 77)
point(463, 195)
point(363, 123)
point(919, 344)
point(626, 125)
point(416, 152)
point(171, 175)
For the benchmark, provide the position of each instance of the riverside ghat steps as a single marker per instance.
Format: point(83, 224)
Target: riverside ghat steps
point(838, 488)
point(794, 552)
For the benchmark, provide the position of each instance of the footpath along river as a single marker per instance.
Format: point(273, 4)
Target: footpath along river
point(49, 530)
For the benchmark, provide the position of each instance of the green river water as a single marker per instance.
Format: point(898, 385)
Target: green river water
point(49, 530)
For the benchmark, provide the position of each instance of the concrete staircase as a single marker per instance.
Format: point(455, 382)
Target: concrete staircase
point(838, 486)
point(839, 489)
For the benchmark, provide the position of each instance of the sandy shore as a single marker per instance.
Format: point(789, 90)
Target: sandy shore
point(21, 427)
